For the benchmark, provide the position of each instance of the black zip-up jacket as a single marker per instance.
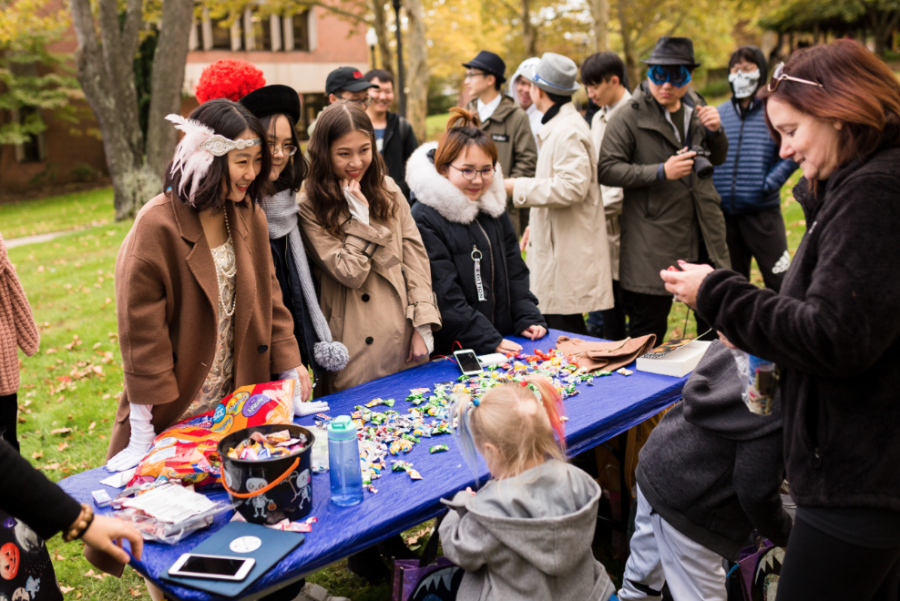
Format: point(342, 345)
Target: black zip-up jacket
point(452, 227)
point(399, 144)
point(834, 329)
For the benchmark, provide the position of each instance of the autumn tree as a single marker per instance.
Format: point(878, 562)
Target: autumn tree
point(107, 45)
point(33, 78)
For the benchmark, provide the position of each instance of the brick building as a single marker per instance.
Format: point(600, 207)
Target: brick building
point(295, 50)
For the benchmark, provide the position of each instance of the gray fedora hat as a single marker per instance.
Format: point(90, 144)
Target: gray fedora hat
point(556, 74)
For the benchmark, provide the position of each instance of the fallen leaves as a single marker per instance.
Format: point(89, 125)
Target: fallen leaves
point(76, 342)
point(66, 589)
point(92, 426)
point(135, 592)
point(93, 574)
point(60, 431)
point(37, 455)
point(62, 446)
point(50, 466)
point(58, 557)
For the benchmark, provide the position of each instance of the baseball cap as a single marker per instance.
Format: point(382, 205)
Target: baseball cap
point(346, 78)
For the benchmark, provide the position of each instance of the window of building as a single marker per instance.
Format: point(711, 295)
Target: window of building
point(221, 34)
point(30, 151)
point(300, 27)
point(262, 32)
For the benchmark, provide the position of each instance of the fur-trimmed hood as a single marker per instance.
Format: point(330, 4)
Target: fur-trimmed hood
point(434, 190)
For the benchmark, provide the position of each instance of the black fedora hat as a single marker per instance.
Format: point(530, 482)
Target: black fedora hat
point(272, 100)
point(673, 51)
point(489, 63)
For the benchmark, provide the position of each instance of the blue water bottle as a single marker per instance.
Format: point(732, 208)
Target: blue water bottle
point(343, 462)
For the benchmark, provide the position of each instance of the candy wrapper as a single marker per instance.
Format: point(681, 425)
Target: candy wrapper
point(187, 451)
point(760, 379)
point(268, 446)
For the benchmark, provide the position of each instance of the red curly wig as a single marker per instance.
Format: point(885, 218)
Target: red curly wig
point(228, 78)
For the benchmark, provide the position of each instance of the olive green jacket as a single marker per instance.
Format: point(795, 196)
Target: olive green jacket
point(657, 214)
point(510, 130)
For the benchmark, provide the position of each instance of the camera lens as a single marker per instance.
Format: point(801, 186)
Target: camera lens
point(703, 167)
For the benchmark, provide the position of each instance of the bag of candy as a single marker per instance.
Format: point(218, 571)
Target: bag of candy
point(760, 379)
point(186, 451)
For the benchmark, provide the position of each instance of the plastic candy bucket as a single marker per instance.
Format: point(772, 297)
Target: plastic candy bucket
point(272, 489)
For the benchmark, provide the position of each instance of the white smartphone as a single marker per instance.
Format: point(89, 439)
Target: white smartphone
point(468, 362)
point(213, 567)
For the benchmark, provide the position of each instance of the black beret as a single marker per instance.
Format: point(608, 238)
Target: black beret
point(271, 100)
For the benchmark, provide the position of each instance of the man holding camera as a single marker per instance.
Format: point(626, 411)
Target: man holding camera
point(660, 148)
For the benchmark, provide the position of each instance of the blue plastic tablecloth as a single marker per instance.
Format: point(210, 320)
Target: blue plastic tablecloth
point(599, 412)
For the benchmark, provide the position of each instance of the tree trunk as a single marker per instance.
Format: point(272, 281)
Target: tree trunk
point(631, 60)
point(384, 35)
point(166, 83)
point(600, 14)
point(417, 101)
point(529, 36)
point(105, 69)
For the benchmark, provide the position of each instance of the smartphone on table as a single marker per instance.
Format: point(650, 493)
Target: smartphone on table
point(212, 567)
point(468, 362)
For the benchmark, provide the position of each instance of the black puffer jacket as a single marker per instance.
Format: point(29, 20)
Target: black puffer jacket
point(399, 144)
point(452, 226)
point(835, 331)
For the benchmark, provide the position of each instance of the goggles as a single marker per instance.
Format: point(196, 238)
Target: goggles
point(677, 75)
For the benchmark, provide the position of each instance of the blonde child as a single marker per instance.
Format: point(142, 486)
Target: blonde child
point(527, 533)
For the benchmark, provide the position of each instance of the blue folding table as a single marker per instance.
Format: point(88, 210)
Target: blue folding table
point(597, 413)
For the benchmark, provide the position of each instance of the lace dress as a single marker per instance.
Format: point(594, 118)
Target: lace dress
point(220, 380)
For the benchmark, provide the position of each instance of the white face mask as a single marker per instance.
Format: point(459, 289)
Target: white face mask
point(743, 84)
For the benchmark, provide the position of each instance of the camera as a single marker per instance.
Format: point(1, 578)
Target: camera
point(702, 167)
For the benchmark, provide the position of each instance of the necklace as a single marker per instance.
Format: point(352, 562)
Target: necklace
point(226, 268)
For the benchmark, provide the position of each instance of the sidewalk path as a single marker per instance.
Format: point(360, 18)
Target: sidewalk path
point(33, 239)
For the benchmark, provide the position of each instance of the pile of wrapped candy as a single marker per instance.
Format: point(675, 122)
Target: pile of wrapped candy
point(268, 446)
point(389, 432)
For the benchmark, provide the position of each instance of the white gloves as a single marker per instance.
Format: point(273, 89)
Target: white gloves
point(302, 408)
point(142, 435)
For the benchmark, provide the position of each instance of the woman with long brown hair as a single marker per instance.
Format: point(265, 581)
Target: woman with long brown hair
point(372, 266)
point(834, 328)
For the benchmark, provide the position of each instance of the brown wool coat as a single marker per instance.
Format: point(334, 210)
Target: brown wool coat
point(372, 304)
point(166, 294)
point(17, 327)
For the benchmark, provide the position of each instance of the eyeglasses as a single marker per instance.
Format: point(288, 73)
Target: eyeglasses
point(779, 75)
point(362, 103)
point(287, 150)
point(677, 75)
point(473, 74)
point(469, 174)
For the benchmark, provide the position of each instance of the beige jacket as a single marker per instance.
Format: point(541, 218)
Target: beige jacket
point(568, 253)
point(612, 197)
point(372, 297)
point(17, 327)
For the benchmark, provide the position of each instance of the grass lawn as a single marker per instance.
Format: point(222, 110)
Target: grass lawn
point(56, 213)
point(75, 378)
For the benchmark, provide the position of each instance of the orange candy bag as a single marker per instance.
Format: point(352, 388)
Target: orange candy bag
point(187, 450)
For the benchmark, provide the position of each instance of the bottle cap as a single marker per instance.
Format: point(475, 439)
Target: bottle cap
point(341, 428)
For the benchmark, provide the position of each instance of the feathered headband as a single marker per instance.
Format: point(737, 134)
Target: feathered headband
point(197, 149)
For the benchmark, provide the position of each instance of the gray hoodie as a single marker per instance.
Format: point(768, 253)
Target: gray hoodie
point(528, 537)
point(711, 468)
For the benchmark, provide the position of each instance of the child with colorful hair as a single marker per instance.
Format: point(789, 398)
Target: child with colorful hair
point(527, 533)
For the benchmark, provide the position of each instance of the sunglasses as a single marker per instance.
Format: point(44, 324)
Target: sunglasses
point(677, 75)
point(779, 75)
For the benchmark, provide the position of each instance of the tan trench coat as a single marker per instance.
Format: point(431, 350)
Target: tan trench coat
point(568, 254)
point(374, 299)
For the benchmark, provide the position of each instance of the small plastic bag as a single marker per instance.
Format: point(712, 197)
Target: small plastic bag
point(760, 379)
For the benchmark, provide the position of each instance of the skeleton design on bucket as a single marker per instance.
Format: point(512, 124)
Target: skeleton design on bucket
point(300, 484)
point(261, 502)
